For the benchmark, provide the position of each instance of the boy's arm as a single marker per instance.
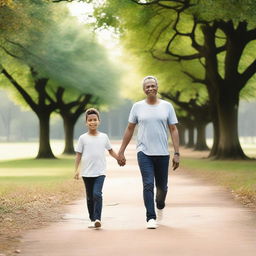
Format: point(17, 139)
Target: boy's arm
point(113, 153)
point(77, 162)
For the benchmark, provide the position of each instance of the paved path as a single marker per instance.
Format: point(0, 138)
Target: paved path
point(199, 219)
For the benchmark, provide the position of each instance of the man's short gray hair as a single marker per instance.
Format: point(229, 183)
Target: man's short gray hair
point(149, 77)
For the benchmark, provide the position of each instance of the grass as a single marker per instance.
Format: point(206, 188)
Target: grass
point(24, 181)
point(239, 176)
point(30, 172)
point(32, 193)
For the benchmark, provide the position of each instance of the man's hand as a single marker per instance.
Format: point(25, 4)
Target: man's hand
point(121, 159)
point(175, 162)
point(76, 176)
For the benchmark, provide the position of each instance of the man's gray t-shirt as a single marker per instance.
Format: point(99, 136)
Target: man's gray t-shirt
point(153, 121)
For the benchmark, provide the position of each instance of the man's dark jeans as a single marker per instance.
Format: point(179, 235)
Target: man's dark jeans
point(153, 169)
point(93, 187)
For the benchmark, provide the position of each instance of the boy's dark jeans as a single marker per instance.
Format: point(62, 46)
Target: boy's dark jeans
point(153, 168)
point(93, 187)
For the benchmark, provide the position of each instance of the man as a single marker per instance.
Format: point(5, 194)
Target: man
point(154, 118)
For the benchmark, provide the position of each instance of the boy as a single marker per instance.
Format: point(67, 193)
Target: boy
point(90, 151)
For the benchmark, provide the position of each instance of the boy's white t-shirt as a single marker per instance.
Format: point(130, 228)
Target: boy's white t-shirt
point(92, 148)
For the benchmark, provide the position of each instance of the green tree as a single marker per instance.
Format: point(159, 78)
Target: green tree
point(198, 112)
point(70, 111)
point(42, 109)
point(61, 54)
point(213, 41)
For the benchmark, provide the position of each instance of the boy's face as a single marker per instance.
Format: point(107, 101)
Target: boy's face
point(92, 122)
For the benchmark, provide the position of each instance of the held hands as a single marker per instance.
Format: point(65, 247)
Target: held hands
point(121, 159)
point(175, 162)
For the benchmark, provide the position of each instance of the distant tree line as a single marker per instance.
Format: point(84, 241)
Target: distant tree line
point(20, 125)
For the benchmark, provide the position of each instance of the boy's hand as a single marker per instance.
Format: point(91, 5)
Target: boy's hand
point(76, 176)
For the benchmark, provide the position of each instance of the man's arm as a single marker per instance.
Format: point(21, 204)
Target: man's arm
point(126, 139)
point(175, 140)
point(77, 162)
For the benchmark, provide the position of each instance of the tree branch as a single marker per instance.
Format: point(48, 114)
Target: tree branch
point(195, 79)
point(248, 73)
point(201, 62)
point(57, 1)
point(160, 32)
point(144, 3)
point(22, 92)
point(159, 58)
point(192, 106)
point(185, 57)
point(160, 3)
point(9, 53)
point(52, 102)
point(191, 35)
point(251, 35)
point(196, 45)
point(23, 48)
point(84, 102)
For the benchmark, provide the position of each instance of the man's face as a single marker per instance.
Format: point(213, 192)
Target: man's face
point(150, 87)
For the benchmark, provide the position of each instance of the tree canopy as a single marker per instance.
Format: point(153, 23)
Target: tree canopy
point(52, 51)
point(205, 41)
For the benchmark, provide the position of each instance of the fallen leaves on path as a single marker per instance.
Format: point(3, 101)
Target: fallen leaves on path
point(29, 208)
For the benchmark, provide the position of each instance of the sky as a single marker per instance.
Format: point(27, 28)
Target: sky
point(84, 13)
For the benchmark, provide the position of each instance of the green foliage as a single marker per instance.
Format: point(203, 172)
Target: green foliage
point(240, 176)
point(21, 73)
point(236, 10)
point(75, 60)
point(6, 3)
point(18, 21)
point(147, 29)
point(59, 48)
point(249, 55)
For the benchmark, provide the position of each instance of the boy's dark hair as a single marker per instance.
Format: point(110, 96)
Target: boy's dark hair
point(91, 111)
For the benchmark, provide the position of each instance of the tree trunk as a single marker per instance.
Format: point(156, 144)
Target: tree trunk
point(69, 135)
point(229, 145)
point(190, 143)
point(201, 138)
point(45, 150)
point(181, 129)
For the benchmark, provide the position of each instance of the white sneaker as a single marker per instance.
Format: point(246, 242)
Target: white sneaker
point(91, 225)
point(97, 224)
point(151, 224)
